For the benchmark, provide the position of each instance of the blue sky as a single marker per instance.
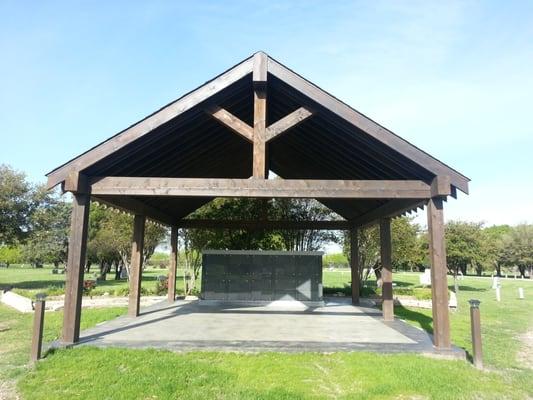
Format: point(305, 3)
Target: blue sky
point(454, 78)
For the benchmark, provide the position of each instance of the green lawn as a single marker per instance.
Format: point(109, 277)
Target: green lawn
point(29, 281)
point(90, 373)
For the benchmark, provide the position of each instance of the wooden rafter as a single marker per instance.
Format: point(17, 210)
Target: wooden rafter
point(134, 206)
point(392, 208)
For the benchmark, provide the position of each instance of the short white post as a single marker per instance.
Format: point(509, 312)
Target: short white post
point(495, 282)
point(521, 293)
point(498, 294)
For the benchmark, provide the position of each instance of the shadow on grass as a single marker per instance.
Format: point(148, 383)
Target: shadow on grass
point(468, 288)
point(35, 285)
point(423, 320)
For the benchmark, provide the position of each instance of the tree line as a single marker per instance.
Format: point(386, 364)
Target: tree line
point(35, 223)
point(34, 226)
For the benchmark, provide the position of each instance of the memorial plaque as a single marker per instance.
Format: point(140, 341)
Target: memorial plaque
point(232, 275)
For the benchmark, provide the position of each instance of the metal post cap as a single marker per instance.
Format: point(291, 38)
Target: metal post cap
point(474, 303)
point(40, 296)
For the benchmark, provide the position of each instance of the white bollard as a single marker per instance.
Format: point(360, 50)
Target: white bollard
point(515, 276)
point(498, 294)
point(495, 282)
point(505, 276)
point(521, 293)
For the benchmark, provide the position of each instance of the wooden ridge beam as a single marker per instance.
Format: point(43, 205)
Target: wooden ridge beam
point(263, 224)
point(269, 188)
point(287, 122)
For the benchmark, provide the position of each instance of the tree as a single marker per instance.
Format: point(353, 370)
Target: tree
point(369, 255)
point(304, 210)
point(16, 205)
point(517, 249)
point(494, 246)
point(195, 240)
point(464, 246)
point(407, 248)
point(48, 229)
point(110, 237)
point(10, 255)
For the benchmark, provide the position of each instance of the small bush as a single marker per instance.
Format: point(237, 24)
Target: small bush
point(161, 286)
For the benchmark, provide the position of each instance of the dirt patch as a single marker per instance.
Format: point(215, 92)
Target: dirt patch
point(8, 391)
point(525, 353)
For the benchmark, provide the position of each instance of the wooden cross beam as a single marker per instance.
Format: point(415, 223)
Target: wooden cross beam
point(265, 188)
point(263, 224)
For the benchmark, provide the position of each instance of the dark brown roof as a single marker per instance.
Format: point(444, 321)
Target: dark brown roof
point(336, 142)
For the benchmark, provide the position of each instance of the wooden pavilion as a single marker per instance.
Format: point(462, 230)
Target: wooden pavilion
point(223, 138)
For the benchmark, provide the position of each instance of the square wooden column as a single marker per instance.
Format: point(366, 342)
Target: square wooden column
point(386, 270)
point(136, 265)
point(173, 264)
point(354, 264)
point(439, 279)
point(77, 248)
point(259, 77)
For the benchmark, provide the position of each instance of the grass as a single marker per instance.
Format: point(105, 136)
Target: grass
point(152, 374)
point(15, 338)
point(30, 281)
point(337, 282)
point(91, 373)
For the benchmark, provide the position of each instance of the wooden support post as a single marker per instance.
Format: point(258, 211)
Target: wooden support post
point(439, 280)
point(475, 325)
point(386, 270)
point(136, 265)
point(173, 264)
point(37, 334)
point(260, 167)
point(75, 267)
point(354, 264)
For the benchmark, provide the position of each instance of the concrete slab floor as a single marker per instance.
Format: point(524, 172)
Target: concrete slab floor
point(190, 325)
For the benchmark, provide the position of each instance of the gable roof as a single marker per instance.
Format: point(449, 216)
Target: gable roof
point(182, 139)
point(225, 80)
